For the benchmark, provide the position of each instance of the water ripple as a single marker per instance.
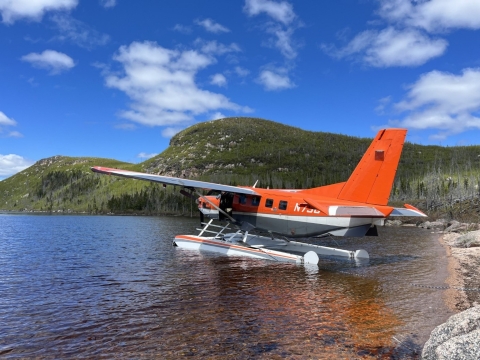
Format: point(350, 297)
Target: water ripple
point(102, 287)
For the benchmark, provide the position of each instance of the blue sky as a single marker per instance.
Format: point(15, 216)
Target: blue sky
point(117, 78)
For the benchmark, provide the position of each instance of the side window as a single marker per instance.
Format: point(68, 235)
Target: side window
point(283, 205)
point(242, 199)
point(269, 203)
point(255, 201)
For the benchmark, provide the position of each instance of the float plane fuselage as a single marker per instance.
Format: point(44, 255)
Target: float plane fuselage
point(350, 208)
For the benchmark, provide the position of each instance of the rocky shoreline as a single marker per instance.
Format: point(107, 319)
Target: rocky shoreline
point(462, 244)
point(459, 336)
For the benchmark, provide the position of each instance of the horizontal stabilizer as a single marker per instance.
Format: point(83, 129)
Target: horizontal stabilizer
point(342, 210)
point(408, 210)
point(354, 211)
point(316, 205)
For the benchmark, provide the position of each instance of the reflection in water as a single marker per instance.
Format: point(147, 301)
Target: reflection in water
point(88, 287)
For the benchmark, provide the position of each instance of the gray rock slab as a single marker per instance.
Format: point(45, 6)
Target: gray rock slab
point(457, 338)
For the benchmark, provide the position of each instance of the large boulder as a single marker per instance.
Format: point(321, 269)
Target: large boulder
point(471, 239)
point(458, 338)
point(436, 225)
point(458, 227)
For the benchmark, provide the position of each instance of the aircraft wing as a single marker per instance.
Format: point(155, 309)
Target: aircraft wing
point(173, 180)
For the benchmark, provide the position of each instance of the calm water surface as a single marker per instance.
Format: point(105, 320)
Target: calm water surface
point(103, 287)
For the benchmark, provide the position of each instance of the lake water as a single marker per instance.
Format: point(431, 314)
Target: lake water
point(108, 286)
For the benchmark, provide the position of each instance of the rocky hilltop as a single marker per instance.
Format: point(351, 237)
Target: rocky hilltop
point(242, 146)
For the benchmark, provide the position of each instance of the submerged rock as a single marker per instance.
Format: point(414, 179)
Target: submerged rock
point(458, 338)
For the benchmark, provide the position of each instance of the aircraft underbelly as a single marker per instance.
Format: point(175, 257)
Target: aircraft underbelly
point(304, 226)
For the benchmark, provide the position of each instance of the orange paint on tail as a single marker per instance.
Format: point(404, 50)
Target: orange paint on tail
point(372, 179)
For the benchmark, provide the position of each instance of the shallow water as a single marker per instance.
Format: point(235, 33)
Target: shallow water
point(103, 287)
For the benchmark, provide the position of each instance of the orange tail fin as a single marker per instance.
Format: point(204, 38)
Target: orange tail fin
point(372, 180)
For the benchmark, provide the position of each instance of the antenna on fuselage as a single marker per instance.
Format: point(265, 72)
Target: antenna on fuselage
point(256, 182)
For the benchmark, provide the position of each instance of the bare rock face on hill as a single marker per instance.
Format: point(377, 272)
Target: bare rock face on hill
point(458, 338)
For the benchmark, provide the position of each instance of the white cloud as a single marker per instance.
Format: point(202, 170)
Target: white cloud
point(382, 104)
point(274, 80)
point(168, 132)
point(241, 71)
point(215, 48)
point(443, 101)
point(78, 32)
point(280, 31)
point(52, 60)
point(282, 28)
point(15, 134)
point(32, 82)
point(5, 120)
point(283, 41)
point(161, 84)
point(13, 10)
point(407, 40)
point(144, 155)
point(395, 10)
point(280, 11)
point(212, 26)
point(11, 164)
point(219, 80)
point(433, 15)
point(217, 115)
point(108, 3)
point(391, 47)
point(182, 29)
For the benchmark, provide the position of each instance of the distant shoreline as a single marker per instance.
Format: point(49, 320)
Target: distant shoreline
point(64, 213)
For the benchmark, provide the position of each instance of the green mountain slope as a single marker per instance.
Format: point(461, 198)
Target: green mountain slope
point(237, 151)
point(247, 149)
point(55, 183)
point(242, 146)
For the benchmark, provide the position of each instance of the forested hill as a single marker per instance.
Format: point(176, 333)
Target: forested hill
point(236, 151)
point(265, 149)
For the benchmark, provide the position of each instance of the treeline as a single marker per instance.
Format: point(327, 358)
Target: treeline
point(444, 182)
point(152, 200)
point(73, 183)
point(441, 194)
point(83, 191)
point(437, 190)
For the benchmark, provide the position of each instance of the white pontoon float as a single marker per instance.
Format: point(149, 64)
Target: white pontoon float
point(241, 243)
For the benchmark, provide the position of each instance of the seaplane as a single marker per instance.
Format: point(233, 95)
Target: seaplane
point(263, 223)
